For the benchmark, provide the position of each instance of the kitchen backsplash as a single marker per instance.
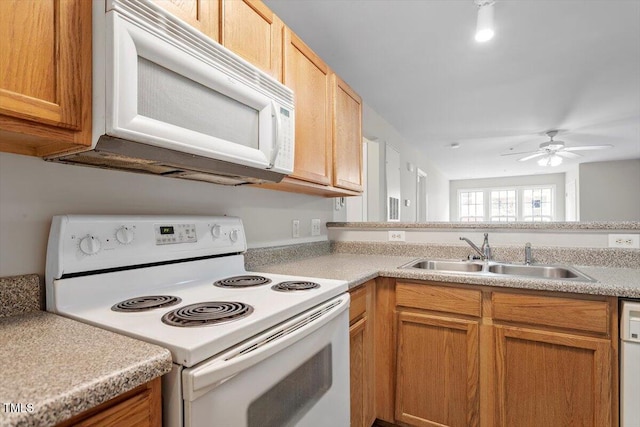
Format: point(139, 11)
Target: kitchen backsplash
point(597, 257)
point(20, 295)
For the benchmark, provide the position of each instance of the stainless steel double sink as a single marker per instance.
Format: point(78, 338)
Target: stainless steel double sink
point(497, 269)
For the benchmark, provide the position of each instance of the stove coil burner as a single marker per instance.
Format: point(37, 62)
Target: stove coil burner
point(242, 282)
point(148, 302)
point(207, 313)
point(295, 286)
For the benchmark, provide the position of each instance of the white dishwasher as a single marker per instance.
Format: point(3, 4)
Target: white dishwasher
point(630, 364)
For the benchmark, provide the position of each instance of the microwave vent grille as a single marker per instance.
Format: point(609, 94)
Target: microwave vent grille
point(167, 27)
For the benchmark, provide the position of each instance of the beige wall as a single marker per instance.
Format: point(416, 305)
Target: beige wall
point(610, 191)
point(377, 129)
point(32, 191)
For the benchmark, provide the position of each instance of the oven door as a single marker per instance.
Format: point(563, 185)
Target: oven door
point(163, 93)
point(296, 374)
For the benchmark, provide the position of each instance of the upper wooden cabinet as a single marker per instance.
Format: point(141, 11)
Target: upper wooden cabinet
point(347, 136)
point(203, 15)
point(328, 151)
point(253, 31)
point(45, 76)
point(310, 79)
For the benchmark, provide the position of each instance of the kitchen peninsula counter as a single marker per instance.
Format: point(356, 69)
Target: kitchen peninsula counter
point(53, 368)
point(359, 268)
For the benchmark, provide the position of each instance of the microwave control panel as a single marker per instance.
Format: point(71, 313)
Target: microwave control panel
point(286, 153)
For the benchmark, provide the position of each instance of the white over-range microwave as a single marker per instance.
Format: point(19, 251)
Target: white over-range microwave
point(169, 100)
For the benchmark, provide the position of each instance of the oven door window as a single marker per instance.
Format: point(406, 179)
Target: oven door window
point(287, 401)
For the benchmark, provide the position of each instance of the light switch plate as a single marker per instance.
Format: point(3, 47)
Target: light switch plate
point(396, 236)
point(315, 227)
point(295, 228)
point(624, 241)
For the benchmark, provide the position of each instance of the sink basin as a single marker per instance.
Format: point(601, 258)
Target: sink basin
point(497, 269)
point(442, 265)
point(542, 271)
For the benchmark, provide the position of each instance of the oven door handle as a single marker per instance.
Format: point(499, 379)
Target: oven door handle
point(201, 379)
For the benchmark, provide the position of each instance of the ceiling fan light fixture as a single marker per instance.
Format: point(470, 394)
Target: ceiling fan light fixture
point(551, 160)
point(484, 28)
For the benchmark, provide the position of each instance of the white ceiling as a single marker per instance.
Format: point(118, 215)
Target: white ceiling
point(572, 65)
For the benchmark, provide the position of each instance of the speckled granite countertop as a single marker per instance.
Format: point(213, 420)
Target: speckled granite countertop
point(357, 269)
point(604, 226)
point(63, 367)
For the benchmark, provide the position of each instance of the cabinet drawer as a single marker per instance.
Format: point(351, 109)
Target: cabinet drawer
point(569, 313)
point(439, 298)
point(358, 304)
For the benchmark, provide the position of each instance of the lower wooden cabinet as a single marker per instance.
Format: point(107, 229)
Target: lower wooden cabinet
point(361, 356)
point(469, 356)
point(437, 378)
point(140, 407)
point(549, 378)
point(437, 355)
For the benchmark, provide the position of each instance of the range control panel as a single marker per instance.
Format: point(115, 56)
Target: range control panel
point(79, 243)
point(169, 234)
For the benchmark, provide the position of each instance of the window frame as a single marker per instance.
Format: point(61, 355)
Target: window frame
point(519, 189)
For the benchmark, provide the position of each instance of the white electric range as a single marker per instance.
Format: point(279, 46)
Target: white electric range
point(277, 344)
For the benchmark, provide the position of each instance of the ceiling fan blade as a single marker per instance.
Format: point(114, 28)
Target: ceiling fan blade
point(568, 154)
point(520, 153)
point(588, 147)
point(532, 156)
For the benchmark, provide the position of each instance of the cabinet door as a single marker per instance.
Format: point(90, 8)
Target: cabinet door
point(41, 45)
point(200, 14)
point(140, 407)
point(254, 32)
point(45, 76)
point(552, 379)
point(308, 76)
point(362, 356)
point(357, 359)
point(437, 371)
point(347, 136)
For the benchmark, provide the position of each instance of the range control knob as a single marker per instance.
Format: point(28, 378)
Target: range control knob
point(233, 236)
point(216, 231)
point(124, 235)
point(90, 245)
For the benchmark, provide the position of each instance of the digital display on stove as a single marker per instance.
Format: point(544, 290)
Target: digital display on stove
point(165, 229)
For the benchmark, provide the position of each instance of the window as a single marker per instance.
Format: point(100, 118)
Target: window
point(503, 205)
point(537, 204)
point(471, 206)
point(530, 203)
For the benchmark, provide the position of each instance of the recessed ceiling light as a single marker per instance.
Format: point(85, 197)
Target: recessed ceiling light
point(484, 28)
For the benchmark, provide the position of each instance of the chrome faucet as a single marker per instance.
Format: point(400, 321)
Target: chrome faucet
point(527, 253)
point(485, 251)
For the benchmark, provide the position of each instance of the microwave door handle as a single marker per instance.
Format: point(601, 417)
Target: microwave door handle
point(275, 149)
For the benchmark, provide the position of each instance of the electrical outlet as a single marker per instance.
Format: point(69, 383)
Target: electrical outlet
point(295, 228)
point(315, 227)
point(396, 236)
point(624, 241)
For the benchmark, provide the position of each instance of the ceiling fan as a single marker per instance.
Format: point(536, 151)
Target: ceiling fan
point(555, 151)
